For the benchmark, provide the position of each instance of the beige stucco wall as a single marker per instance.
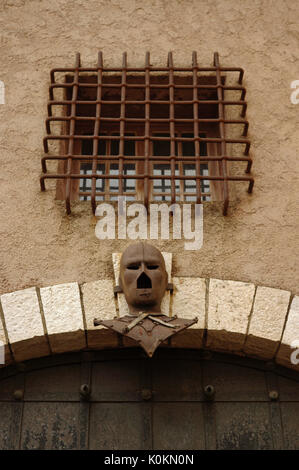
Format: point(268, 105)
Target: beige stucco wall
point(258, 241)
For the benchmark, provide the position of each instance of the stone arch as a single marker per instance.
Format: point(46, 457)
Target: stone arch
point(233, 317)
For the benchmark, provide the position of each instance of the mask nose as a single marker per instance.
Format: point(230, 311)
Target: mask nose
point(144, 282)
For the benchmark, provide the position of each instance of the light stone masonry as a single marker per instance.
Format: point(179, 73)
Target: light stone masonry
point(4, 355)
point(122, 304)
point(64, 317)
point(267, 322)
point(24, 324)
point(290, 338)
point(230, 309)
point(99, 302)
point(2, 333)
point(230, 304)
point(189, 301)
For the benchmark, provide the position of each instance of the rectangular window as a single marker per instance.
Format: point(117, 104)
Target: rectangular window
point(150, 134)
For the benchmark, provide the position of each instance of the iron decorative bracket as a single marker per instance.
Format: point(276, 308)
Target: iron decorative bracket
point(148, 330)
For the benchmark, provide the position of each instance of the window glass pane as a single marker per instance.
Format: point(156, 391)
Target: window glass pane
point(85, 183)
point(160, 185)
point(129, 184)
point(113, 183)
point(190, 185)
point(205, 184)
point(188, 149)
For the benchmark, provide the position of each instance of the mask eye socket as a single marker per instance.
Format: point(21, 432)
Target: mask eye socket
point(133, 267)
point(152, 266)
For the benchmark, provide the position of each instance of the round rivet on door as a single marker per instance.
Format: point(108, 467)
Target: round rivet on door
point(18, 394)
point(209, 392)
point(146, 394)
point(273, 395)
point(85, 392)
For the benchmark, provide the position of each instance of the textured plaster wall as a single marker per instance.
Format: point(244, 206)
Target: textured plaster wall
point(258, 241)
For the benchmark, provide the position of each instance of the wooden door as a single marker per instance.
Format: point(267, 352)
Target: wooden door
point(141, 403)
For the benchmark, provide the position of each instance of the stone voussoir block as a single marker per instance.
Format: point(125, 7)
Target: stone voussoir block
point(63, 317)
point(189, 301)
point(267, 322)
point(99, 302)
point(24, 324)
point(230, 304)
point(122, 304)
point(5, 356)
point(288, 352)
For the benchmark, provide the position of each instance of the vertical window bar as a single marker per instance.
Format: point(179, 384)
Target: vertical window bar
point(71, 134)
point(195, 127)
point(171, 126)
point(96, 132)
point(222, 132)
point(147, 131)
point(122, 124)
point(181, 169)
point(107, 170)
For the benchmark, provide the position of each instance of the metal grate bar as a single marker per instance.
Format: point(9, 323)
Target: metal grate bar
point(222, 133)
point(161, 158)
point(71, 137)
point(195, 126)
point(140, 85)
point(246, 142)
point(171, 126)
point(96, 130)
point(141, 176)
point(239, 70)
point(147, 131)
point(122, 124)
point(148, 101)
point(131, 120)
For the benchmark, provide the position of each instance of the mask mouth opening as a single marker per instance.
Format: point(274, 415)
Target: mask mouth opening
point(144, 282)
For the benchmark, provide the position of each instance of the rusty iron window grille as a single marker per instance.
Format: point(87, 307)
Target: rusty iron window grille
point(149, 133)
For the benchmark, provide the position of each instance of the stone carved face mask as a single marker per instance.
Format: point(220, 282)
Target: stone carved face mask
point(143, 277)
